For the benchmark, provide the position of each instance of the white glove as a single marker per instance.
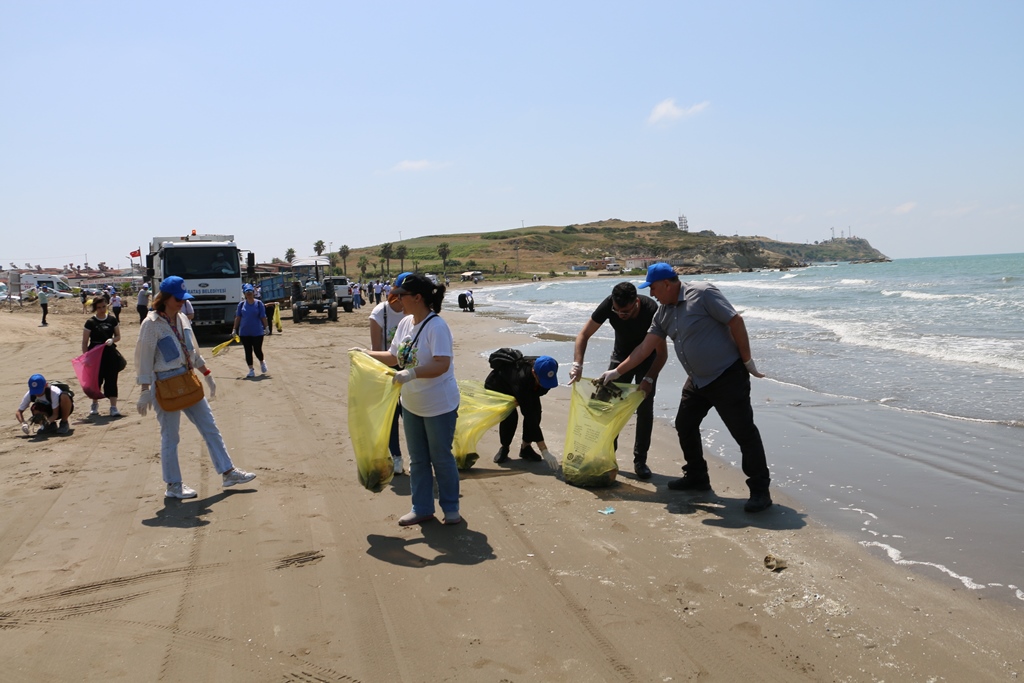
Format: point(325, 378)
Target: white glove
point(576, 373)
point(403, 376)
point(145, 400)
point(24, 427)
point(109, 342)
point(752, 369)
point(213, 386)
point(608, 376)
point(549, 458)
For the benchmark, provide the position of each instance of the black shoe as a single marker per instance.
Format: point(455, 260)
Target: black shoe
point(642, 470)
point(690, 483)
point(527, 453)
point(759, 502)
point(501, 455)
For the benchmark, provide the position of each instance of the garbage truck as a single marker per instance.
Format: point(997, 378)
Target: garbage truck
point(211, 266)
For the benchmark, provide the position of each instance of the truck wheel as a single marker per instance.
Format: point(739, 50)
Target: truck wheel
point(332, 313)
point(296, 313)
point(348, 307)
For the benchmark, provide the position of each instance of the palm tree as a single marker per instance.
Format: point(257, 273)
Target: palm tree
point(319, 247)
point(415, 265)
point(401, 251)
point(387, 250)
point(289, 255)
point(363, 264)
point(444, 251)
point(343, 252)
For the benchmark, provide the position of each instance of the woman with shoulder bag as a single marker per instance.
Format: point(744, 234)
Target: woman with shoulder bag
point(103, 328)
point(165, 356)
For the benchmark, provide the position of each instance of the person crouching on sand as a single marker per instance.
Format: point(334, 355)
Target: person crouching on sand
point(166, 348)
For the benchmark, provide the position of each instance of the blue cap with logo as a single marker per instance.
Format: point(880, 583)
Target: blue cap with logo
point(248, 288)
point(175, 286)
point(401, 278)
point(36, 384)
point(546, 369)
point(656, 272)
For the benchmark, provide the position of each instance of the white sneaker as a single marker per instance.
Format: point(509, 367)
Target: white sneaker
point(114, 412)
point(252, 373)
point(263, 367)
point(237, 476)
point(399, 464)
point(94, 409)
point(179, 490)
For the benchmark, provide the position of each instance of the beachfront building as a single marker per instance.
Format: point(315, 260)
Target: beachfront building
point(683, 225)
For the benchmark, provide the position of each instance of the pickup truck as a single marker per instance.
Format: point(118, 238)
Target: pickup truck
point(342, 291)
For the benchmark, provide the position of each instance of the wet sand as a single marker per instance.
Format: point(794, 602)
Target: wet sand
point(306, 576)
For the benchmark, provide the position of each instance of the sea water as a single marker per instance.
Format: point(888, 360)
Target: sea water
point(938, 338)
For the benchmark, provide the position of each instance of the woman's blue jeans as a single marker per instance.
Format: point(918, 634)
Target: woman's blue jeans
point(429, 440)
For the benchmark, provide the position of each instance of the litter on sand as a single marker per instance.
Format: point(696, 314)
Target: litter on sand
point(607, 511)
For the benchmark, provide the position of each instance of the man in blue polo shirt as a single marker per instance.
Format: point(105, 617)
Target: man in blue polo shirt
point(711, 342)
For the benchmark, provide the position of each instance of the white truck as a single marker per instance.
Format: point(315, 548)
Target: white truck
point(212, 269)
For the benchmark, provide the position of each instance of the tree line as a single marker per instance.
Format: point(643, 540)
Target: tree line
point(387, 252)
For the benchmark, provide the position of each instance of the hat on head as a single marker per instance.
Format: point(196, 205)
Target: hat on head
point(656, 272)
point(401, 278)
point(415, 284)
point(175, 286)
point(546, 369)
point(248, 288)
point(36, 384)
point(145, 285)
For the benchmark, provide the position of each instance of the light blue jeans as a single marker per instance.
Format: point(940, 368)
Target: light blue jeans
point(202, 417)
point(429, 440)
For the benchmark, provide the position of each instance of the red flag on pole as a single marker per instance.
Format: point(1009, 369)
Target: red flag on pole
point(136, 254)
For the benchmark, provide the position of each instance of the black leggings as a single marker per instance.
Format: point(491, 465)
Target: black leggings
point(252, 345)
point(109, 372)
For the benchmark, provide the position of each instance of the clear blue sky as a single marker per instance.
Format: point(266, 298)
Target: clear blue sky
point(365, 122)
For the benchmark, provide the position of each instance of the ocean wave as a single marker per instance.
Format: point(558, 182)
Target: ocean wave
point(920, 296)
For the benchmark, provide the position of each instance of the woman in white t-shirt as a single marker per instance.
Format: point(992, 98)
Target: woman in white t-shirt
point(423, 348)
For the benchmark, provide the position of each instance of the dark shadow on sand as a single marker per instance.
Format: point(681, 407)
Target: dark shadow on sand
point(455, 544)
point(187, 514)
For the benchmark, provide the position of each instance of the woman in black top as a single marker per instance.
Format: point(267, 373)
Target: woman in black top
point(102, 328)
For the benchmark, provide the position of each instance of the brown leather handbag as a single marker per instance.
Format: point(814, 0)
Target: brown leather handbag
point(180, 391)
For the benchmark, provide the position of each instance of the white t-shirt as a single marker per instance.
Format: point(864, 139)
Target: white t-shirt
point(27, 400)
point(393, 318)
point(435, 395)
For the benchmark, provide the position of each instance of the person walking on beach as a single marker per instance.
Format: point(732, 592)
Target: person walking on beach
point(44, 301)
point(142, 305)
point(711, 342)
point(50, 406)
point(104, 329)
point(384, 321)
point(630, 316)
point(115, 306)
point(167, 348)
point(378, 289)
point(526, 380)
point(423, 347)
point(250, 326)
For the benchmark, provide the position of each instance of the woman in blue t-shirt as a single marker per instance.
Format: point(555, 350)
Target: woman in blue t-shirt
point(250, 325)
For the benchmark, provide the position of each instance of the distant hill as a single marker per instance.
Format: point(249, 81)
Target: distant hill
point(545, 249)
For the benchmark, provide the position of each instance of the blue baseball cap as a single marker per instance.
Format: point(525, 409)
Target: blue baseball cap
point(656, 272)
point(546, 369)
point(175, 286)
point(401, 278)
point(248, 288)
point(36, 385)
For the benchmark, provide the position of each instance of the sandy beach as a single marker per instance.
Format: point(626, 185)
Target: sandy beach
point(306, 576)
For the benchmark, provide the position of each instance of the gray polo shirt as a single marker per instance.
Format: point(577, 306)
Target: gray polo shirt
point(698, 327)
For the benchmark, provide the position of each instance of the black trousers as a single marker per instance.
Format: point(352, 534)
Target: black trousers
point(109, 373)
point(644, 412)
point(117, 313)
point(730, 396)
point(143, 310)
point(252, 344)
point(45, 308)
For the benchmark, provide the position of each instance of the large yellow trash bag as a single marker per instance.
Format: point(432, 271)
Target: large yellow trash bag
point(479, 410)
point(372, 400)
point(277, 316)
point(593, 425)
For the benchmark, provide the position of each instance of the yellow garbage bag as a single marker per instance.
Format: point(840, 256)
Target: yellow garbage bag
point(479, 410)
point(277, 316)
point(593, 425)
point(221, 347)
point(372, 400)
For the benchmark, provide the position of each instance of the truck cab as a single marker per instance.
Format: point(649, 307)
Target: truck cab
point(212, 270)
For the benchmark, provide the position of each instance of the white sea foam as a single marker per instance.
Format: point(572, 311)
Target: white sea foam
point(920, 296)
point(897, 558)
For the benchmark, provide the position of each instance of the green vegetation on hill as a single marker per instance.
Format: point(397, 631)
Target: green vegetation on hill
point(546, 249)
